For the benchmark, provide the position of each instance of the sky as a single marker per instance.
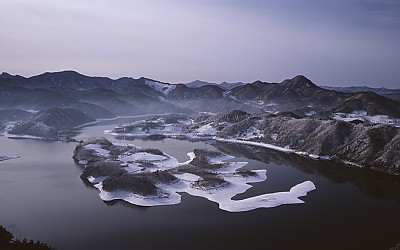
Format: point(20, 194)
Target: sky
point(336, 43)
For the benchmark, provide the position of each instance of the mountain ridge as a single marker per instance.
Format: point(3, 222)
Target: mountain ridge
point(129, 96)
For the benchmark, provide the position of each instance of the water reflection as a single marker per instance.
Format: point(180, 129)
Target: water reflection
point(333, 217)
point(126, 204)
point(370, 182)
point(146, 138)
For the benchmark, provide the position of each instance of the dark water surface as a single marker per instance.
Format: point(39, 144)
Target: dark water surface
point(43, 198)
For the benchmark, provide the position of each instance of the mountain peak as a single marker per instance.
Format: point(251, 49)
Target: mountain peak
point(5, 75)
point(300, 78)
point(198, 84)
point(299, 81)
point(64, 73)
point(58, 75)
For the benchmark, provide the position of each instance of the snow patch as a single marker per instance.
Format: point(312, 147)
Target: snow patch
point(259, 144)
point(97, 148)
point(233, 97)
point(143, 156)
point(95, 180)
point(87, 124)
point(160, 87)
point(231, 183)
point(132, 168)
point(362, 116)
point(270, 146)
point(310, 113)
point(31, 111)
point(207, 129)
point(12, 136)
point(270, 200)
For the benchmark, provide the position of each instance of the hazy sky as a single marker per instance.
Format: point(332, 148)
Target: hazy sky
point(336, 42)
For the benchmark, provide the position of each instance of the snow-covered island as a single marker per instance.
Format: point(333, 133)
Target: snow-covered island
point(4, 158)
point(150, 177)
point(365, 143)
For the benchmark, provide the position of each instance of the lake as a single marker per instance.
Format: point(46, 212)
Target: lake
point(43, 198)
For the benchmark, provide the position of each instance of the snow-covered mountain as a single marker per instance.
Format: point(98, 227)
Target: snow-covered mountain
point(164, 88)
point(366, 144)
point(103, 97)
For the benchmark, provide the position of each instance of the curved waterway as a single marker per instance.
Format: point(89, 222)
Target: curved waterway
point(43, 198)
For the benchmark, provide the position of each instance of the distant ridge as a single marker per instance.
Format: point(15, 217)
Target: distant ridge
point(103, 97)
point(389, 93)
point(224, 85)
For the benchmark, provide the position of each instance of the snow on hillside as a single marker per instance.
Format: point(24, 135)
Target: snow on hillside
point(160, 87)
point(207, 129)
point(187, 129)
point(362, 116)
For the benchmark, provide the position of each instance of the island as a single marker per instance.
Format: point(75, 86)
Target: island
point(150, 177)
point(5, 158)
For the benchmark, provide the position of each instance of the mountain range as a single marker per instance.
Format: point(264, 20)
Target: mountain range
point(49, 99)
point(102, 97)
point(223, 85)
point(389, 93)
